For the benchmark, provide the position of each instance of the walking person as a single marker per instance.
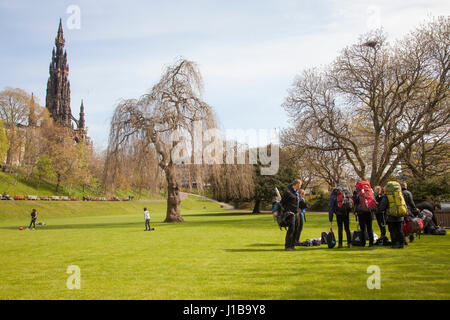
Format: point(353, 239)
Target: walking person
point(290, 203)
point(302, 219)
point(147, 220)
point(33, 219)
point(340, 205)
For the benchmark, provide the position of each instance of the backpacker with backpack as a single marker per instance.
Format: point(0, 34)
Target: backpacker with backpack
point(282, 217)
point(397, 204)
point(343, 197)
point(366, 198)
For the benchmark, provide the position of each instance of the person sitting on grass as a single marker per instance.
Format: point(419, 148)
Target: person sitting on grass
point(147, 220)
point(33, 219)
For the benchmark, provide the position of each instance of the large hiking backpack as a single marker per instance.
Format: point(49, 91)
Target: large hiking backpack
point(427, 218)
point(366, 198)
point(397, 204)
point(358, 234)
point(414, 225)
point(344, 199)
point(282, 216)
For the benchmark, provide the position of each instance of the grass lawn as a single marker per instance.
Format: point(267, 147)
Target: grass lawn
point(215, 254)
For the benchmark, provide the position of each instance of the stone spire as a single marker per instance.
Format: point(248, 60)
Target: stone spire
point(81, 122)
point(58, 85)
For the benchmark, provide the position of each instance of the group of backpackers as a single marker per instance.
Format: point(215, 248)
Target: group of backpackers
point(392, 205)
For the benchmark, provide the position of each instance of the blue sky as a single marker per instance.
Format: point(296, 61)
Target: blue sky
point(248, 51)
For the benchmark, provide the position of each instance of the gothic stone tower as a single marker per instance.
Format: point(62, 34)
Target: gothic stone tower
point(58, 90)
point(58, 85)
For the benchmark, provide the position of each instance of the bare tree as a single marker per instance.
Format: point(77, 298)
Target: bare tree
point(376, 101)
point(173, 105)
point(14, 110)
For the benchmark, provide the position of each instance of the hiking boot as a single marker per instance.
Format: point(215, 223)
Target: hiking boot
point(349, 245)
point(411, 238)
point(370, 245)
point(290, 249)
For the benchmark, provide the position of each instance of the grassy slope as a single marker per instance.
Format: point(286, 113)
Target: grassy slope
point(215, 254)
point(22, 186)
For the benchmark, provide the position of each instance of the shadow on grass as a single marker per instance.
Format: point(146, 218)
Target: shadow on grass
point(303, 249)
point(225, 214)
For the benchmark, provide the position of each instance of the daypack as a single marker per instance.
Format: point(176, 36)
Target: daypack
point(439, 231)
point(397, 204)
point(323, 238)
point(331, 239)
point(344, 200)
point(415, 225)
point(366, 198)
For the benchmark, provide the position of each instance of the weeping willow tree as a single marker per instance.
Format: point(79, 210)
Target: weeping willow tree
point(163, 120)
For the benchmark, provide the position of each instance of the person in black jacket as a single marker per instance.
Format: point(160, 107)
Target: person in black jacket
point(430, 207)
point(290, 203)
point(302, 216)
point(342, 217)
point(33, 219)
point(412, 209)
point(394, 223)
point(365, 220)
point(381, 217)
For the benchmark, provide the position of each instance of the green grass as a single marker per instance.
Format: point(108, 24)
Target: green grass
point(215, 254)
point(19, 184)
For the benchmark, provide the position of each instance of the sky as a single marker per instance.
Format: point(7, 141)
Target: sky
point(248, 52)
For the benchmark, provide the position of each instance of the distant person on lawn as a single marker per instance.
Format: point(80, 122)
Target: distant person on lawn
point(290, 202)
point(33, 219)
point(147, 220)
point(340, 206)
point(412, 209)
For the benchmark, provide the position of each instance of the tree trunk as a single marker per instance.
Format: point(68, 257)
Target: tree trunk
point(173, 197)
point(256, 208)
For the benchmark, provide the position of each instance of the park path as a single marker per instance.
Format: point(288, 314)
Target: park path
point(184, 195)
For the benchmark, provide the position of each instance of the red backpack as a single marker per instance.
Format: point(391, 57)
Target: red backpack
point(366, 198)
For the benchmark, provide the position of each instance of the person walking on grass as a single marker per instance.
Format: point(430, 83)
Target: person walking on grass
point(147, 220)
point(290, 202)
point(33, 219)
point(381, 217)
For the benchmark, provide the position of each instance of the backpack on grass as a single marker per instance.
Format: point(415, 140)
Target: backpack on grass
point(331, 239)
point(397, 204)
point(414, 225)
